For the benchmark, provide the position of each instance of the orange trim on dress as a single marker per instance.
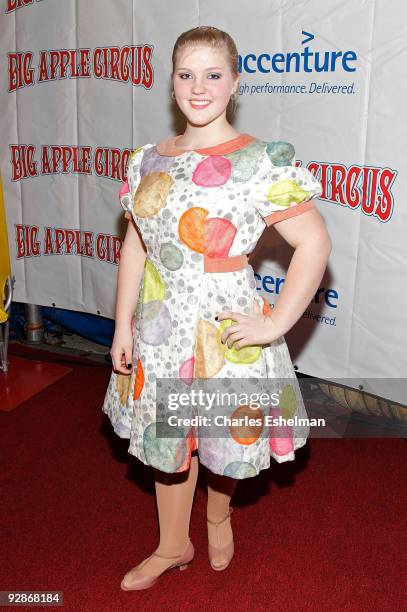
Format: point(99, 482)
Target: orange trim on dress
point(225, 264)
point(280, 215)
point(168, 147)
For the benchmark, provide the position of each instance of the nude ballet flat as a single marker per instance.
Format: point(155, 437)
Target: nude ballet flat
point(140, 581)
point(215, 551)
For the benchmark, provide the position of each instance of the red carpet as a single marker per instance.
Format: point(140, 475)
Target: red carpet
point(26, 378)
point(326, 532)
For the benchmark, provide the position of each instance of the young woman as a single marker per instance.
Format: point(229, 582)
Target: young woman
point(197, 204)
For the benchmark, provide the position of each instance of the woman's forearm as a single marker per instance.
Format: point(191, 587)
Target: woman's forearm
point(303, 277)
point(130, 273)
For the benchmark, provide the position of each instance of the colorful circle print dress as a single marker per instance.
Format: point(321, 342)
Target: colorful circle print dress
point(200, 213)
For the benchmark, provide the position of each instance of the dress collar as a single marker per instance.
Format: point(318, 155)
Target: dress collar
point(168, 147)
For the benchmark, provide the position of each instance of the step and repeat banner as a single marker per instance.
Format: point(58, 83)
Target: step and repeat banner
point(84, 83)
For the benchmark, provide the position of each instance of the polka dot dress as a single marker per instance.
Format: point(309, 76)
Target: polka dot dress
point(190, 205)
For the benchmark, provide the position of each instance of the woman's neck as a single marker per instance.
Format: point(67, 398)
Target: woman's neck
point(203, 137)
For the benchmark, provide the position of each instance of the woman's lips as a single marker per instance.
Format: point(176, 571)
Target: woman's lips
point(194, 104)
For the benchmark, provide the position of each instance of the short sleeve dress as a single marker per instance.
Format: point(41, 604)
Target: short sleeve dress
point(194, 209)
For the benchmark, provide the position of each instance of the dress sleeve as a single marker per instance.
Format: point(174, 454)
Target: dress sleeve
point(129, 185)
point(283, 190)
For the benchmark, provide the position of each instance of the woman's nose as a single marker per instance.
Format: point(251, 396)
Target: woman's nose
point(198, 86)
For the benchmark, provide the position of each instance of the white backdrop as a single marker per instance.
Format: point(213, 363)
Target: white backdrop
point(84, 83)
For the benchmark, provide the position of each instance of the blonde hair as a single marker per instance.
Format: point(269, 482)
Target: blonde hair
point(209, 35)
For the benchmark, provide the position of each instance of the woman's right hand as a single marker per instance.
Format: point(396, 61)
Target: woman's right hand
point(121, 351)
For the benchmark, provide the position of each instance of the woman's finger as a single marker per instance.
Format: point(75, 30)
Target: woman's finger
point(237, 335)
point(128, 356)
point(228, 314)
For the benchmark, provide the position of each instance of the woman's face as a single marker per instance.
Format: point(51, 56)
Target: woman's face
point(203, 73)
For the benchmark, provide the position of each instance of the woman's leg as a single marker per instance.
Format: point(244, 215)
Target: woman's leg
point(174, 503)
point(174, 495)
point(220, 491)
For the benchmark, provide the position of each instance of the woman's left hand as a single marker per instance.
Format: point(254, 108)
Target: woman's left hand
point(248, 330)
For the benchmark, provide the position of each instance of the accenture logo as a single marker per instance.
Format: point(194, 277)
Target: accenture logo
point(299, 61)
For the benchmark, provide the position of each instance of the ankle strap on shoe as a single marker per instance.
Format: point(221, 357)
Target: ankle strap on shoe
point(171, 556)
point(223, 520)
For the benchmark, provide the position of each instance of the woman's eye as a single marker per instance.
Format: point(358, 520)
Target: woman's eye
point(212, 74)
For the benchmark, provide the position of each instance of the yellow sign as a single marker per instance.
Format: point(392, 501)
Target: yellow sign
point(5, 269)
